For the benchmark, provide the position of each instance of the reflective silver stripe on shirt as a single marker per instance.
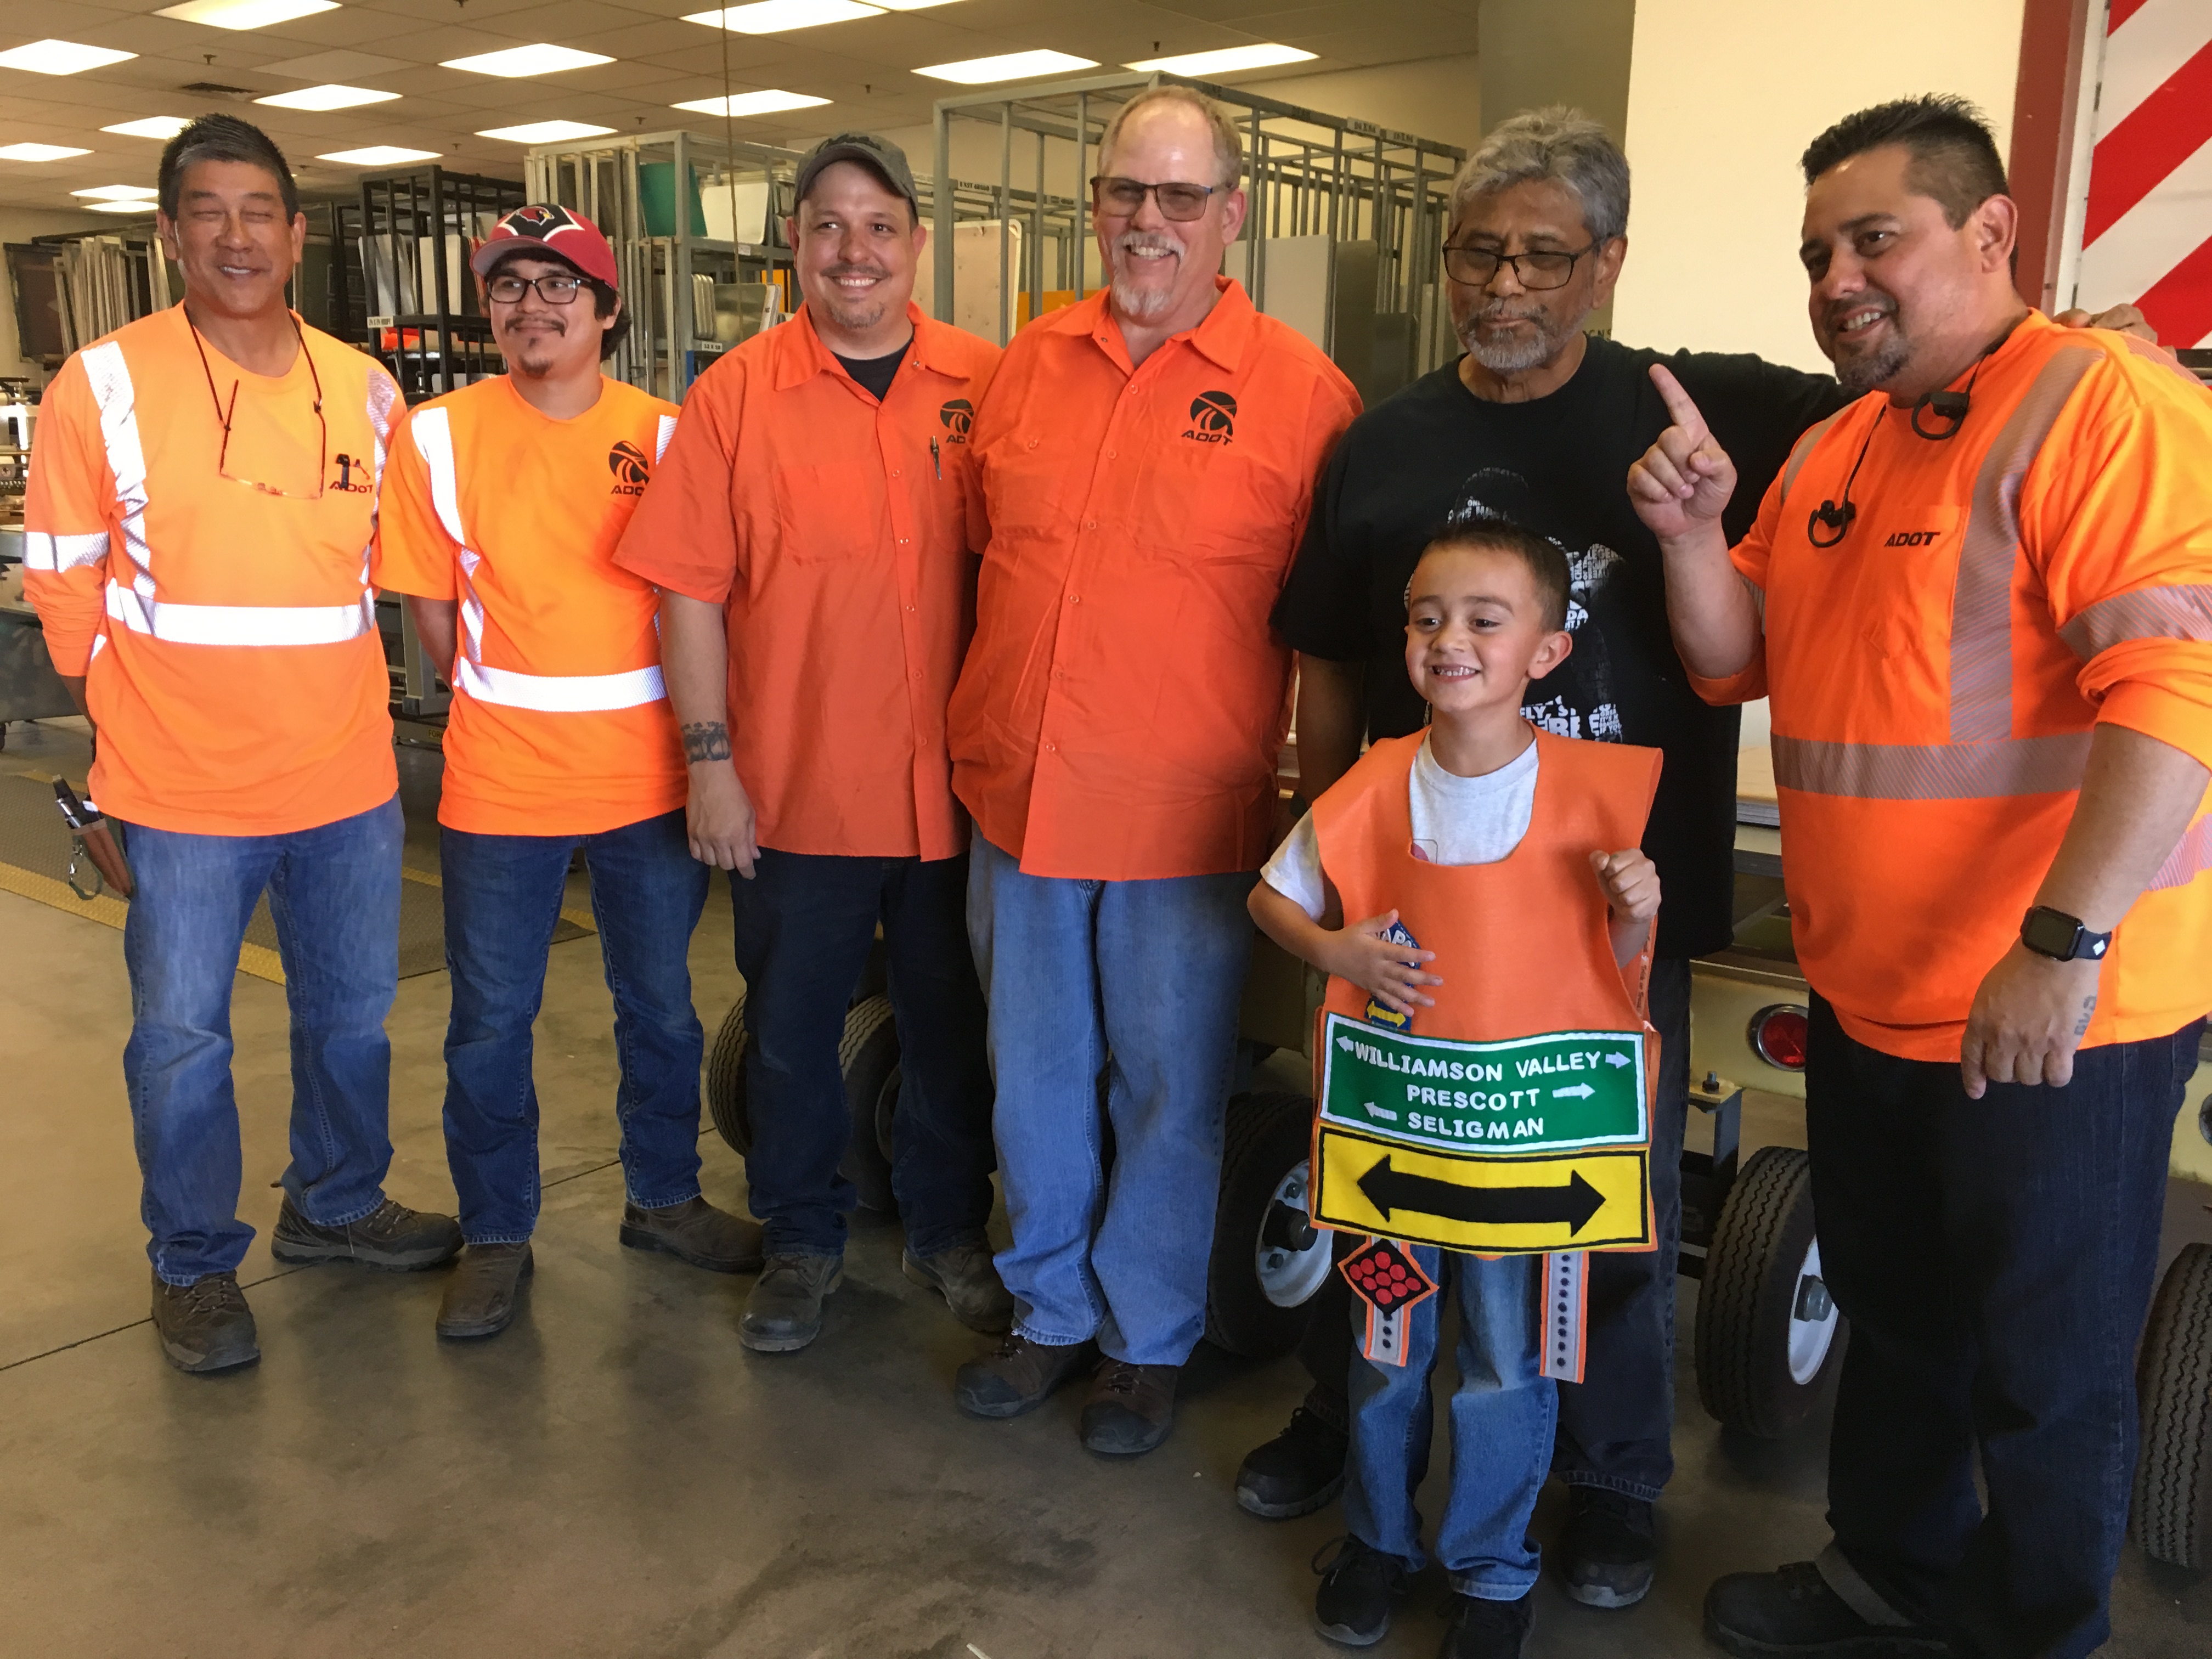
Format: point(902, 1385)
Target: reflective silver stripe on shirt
point(109, 377)
point(561, 694)
point(1932, 771)
point(1989, 555)
point(241, 624)
point(1802, 451)
point(42, 551)
point(2183, 611)
point(2190, 859)
point(667, 432)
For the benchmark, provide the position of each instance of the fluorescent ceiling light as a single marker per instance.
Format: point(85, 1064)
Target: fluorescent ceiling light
point(119, 193)
point(39, 152)
point(245, 14)
point(118, 207)
point(378, 155)
point(60, 57)
point(151, 126)
point(332, 97)
point(910, 5)
point(753, 103)
point(774, 16)
point(1227, 61)
point(544, 132)
point(1008, 66)
point(540, 59)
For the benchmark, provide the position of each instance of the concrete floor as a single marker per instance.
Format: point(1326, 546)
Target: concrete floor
point(615, 1475)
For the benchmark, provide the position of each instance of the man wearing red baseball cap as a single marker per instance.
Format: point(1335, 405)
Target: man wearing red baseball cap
point(503, 504)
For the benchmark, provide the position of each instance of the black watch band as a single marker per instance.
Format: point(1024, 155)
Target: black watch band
point(2053, 933)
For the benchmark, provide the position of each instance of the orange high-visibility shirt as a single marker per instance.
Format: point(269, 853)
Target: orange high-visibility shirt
point(1121, 709)
point(228, 633)
point(1937, 676)
point(560, 724)
point(832, 529)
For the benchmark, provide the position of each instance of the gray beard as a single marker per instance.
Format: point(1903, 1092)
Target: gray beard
point(1864, 372)
point(1140, 304)
point(1512, 359)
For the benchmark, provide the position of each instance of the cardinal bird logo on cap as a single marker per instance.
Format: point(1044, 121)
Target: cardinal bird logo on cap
point(539, 219)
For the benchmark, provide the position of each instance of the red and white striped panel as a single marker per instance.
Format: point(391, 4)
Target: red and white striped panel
point(2148, 236)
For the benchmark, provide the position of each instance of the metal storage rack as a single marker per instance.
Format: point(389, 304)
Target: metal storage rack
point(1353, 216)
point(656, 196)
point(417, 229)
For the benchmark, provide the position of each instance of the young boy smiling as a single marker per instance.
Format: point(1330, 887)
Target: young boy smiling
point(1508, 858)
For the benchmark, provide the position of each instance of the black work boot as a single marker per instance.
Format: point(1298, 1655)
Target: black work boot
point(1019, 1376)
point(1131, 1408)
point(205, 1326)
point(1608, 1552)
point(1794, 1610)
point(964, 1276)
point(1301, 1469)
point(696, 1233)
point(390, 1235)
point(485, 1290)
point(1357, 1590)
point(1487, 1630)
point(785, 1312)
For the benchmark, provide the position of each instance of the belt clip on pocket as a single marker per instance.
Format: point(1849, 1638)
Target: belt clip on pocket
point(1564, 1315)
point(1383, 1275)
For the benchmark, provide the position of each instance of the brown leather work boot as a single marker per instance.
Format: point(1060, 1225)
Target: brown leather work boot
point(964, 1276)
point(1131, 1407)
point(485, 1291)
point(696, 1233)
point(204, 1326)
point(1019, 1376)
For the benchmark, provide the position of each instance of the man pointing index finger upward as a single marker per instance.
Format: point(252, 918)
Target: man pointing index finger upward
point(1975, 597)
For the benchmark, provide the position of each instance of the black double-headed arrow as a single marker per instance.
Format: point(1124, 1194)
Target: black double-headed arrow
point(1574, 1203)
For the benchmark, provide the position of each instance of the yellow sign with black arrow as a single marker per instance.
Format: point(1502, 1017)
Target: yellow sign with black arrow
point(1484, 1206)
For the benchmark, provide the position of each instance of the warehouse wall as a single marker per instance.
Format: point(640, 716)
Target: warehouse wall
point(20, 225)
point(1723, 97)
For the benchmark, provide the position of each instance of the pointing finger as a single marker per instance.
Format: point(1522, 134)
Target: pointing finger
point(1679, 404)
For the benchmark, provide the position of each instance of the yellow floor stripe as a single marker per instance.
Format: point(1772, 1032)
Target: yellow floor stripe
point(109, 911)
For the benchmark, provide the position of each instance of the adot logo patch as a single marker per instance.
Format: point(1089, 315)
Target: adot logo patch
point(1212, 418)
point(631, 470)
point(956, 417)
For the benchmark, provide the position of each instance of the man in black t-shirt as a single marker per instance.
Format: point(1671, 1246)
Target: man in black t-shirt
point(1539, 423)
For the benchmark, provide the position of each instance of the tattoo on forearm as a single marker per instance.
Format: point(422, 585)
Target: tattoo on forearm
point(2082, 1025)
point(707, 740)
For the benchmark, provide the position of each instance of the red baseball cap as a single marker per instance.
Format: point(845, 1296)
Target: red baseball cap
point(548, 228)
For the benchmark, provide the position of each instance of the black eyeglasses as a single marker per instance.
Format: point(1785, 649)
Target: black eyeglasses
point(223, 413)
point(1475, 266)
point(1124, 198)
point(554, 290)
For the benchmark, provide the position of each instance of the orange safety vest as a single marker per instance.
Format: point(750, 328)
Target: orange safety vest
point(1524, 949)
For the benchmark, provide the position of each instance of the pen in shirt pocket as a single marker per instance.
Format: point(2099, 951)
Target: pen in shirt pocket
point(936, 462)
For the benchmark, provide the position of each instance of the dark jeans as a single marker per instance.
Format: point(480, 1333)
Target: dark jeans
point(1995, 1259)
point(1614, 1428)
point(804, 923)
point(502, 898)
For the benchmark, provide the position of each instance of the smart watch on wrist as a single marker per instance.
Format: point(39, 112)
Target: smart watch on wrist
point(2053, 933)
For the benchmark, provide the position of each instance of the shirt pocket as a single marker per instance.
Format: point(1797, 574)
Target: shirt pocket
point(828, 515)
point(1203, 503)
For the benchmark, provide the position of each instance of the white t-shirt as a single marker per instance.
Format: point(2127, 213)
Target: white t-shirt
point(1456, 820)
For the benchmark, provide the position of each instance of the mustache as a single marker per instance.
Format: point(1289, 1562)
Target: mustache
point(1507, 310)
point(874, 273)
point(1150, 242)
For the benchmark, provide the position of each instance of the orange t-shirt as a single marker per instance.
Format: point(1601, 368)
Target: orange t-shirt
point(228, 634)
point(1937, 676)
point(560, 725)
point(832, 529)
point(1121, 709)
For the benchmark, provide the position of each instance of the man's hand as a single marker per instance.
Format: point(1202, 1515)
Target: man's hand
point(719, 815)
point(2029, 1015)
point(1684, 479)
point(1388, 971)
point(1630, 882)
point(2121, 319)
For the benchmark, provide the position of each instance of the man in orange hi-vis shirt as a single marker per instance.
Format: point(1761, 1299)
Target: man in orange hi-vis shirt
point(809, 533)
point(1147, 460)
point(197, 528)
point(503, 504)
point(1977, 598)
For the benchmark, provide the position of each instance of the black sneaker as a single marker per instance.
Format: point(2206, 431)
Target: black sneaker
point(390, 1235)
point(1297, 1472)
point(205, 1326)
point(1357, 1590)
point(784, 1313)
point(1608, 1553)
point(1793, 1611)
point(1487, 1630)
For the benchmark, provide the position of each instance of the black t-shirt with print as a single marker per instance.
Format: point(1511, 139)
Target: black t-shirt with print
point(1559, 465)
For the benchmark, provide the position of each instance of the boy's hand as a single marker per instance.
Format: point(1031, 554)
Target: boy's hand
point(1385, 969)
point(1630, 882)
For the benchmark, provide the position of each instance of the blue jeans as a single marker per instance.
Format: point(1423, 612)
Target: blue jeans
point(804, 923)
point(1140, 980)
point(334, 894)
point(1995, 1259)
point(502, 901)
point(1502, 1414)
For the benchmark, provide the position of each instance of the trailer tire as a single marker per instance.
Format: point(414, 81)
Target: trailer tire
point(868, 1060)
point(1265, 1267)
point(726, 1080)
point(1768, 1332)
point(2172, 1514)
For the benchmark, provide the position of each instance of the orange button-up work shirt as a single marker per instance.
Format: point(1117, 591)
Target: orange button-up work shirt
point(832, 530)
point(1124, 700)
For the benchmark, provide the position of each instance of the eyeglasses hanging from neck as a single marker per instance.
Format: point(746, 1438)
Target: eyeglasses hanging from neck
point(225, 413)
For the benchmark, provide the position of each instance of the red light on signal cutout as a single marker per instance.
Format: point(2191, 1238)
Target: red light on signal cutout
point(1779, 1034)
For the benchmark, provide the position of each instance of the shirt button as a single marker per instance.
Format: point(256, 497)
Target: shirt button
point(1032, 443)
point(895, 472)
point(1075, 598)
point(901, 541)
point(909, 610)
point(1111, 454)
point(1090, 524)
point(1052, 748)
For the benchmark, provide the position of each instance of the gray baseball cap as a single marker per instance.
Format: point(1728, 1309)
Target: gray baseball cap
point(878, 155)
